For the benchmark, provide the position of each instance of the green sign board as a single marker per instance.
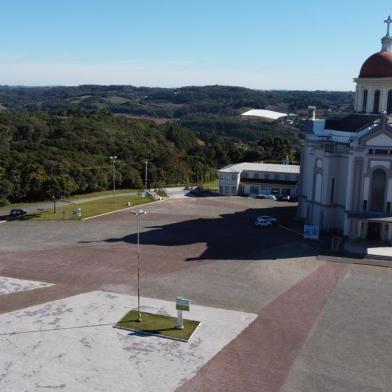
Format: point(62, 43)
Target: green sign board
point(183, 304)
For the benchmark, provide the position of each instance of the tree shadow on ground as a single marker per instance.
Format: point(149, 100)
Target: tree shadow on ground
point(232, 236)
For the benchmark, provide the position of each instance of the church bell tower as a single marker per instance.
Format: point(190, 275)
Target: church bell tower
point(374, 83)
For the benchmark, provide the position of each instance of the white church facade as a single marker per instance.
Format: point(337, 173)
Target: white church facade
point(346, 165)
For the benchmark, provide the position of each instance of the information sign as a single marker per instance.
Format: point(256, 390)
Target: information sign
point(311, 232)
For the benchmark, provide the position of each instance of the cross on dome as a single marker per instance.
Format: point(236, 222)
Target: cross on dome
point(388, 22)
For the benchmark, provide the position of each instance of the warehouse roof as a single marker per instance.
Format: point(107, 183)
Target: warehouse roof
point(269, 115)
point(262, 167)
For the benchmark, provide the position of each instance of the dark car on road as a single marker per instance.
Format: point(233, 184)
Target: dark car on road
point(17, 212)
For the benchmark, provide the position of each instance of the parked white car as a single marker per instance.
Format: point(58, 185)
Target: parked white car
point(263, 223)
point(272, 197)
point(267, 218)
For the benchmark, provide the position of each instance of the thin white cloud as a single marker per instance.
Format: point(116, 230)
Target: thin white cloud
point(21, 71)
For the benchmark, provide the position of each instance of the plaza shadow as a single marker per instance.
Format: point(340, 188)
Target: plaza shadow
point(231, 236)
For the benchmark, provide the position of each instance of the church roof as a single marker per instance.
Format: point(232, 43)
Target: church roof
point(379, 65)
point(353, 123)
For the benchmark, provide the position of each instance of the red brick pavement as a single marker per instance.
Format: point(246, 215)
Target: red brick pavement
point(260, 358)
point(78, 269)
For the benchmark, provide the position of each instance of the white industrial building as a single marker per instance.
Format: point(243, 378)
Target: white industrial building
point(268, 115)
point(258, 178)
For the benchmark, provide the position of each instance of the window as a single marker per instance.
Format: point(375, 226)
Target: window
point(388, 207)
point(254, 189)
point(332, 189)
point(378, 190)
point(364, 104)
point(233, 190)
point(376, 104)
point(317, 188)
point(380, 152)
point(233, 177)
point(277, 177)
point(371, 151)
point(221, 189)
point(389, 104)
point(267, 176)
point(364, 207)
point(255, 175)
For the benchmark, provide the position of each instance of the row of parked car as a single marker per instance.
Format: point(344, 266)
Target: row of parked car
point(275, 197)
point(200, 192)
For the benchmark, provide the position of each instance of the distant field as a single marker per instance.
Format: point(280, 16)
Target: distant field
point(117, 100)
point(156, 120)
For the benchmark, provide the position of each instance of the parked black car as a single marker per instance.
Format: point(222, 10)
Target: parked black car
point(17, 212)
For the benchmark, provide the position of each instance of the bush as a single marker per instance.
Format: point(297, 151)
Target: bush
point(4, 202)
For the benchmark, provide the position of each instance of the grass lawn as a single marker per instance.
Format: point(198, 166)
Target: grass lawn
point(7, 208)
point(100, 193)
point(214, 184)
point(91, 208)
point(157, 324)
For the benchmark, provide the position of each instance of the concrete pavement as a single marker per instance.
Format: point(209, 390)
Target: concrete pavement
point(321, 326)
point(71, 345)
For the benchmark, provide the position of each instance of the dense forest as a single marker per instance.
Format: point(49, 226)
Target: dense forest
point(46, 155)
point(56, 141)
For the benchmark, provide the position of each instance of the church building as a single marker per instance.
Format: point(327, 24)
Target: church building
point(346, 165)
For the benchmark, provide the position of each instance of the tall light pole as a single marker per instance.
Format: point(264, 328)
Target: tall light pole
point(138, 213)
point(113, 158)
point(145, 175)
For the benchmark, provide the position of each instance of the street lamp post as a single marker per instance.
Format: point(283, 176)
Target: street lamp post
point(138, 213)
point(145, 174)
point(113, 158)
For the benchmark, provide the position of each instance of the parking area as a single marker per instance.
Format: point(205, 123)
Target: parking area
point(314, 323)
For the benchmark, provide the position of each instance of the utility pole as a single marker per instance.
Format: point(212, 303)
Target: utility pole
point(145, 175)
point(138, 213)
point(113, 158)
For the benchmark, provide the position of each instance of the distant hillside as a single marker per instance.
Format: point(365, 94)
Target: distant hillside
point(169, 103)
point(209, 111)
point(57, 140)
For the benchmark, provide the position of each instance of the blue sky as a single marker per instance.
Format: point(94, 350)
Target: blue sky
point(259, 44)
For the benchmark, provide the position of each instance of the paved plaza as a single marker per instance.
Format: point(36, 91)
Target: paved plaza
point(300, 323)
point(11, 285)
point(76, 348)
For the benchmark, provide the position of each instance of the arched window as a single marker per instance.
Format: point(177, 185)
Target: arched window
point(317, 188)
point(378, 190)
point(376, 104)
point(364, 103)
point(389, 104)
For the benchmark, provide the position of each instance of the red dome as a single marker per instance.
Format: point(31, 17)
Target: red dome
point(377, 66)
